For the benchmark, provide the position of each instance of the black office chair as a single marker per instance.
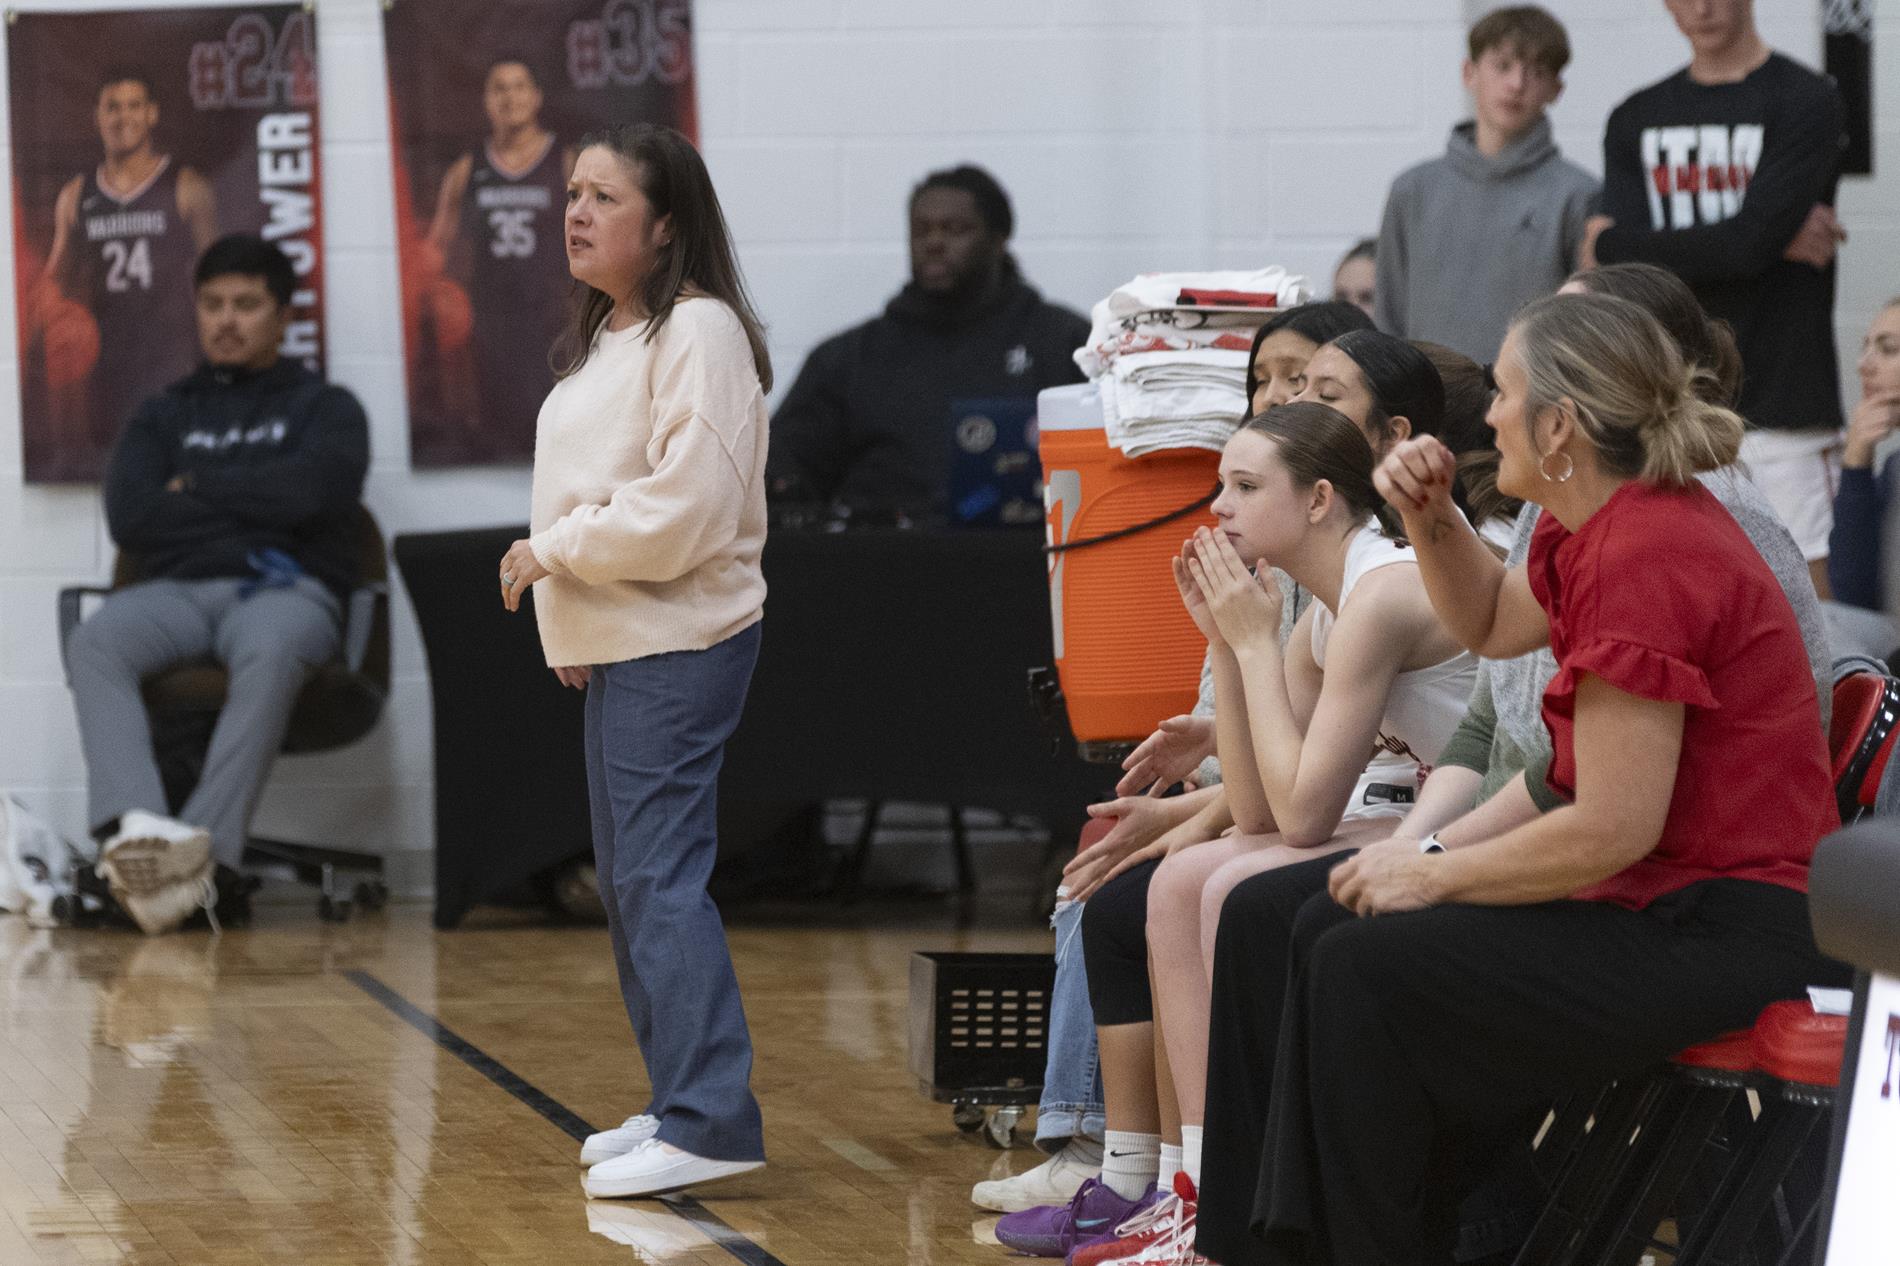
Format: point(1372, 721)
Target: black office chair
point(340, 703)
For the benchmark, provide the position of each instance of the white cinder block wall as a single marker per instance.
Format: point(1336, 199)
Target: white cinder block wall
point(1131, 135)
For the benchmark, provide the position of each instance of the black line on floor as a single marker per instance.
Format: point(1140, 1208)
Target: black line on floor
point(552, 1109)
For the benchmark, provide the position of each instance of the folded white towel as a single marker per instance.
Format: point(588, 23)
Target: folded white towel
point(1191, 309)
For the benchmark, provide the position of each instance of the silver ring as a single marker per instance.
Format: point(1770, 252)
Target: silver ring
point(507, 581)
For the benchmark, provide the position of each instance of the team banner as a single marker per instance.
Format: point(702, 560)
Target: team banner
point(139, 137)
point(489, 99)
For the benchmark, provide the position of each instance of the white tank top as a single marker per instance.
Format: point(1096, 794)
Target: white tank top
point(1423, 706)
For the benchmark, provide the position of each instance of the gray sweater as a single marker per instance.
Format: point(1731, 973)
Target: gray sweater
point(1467, 240)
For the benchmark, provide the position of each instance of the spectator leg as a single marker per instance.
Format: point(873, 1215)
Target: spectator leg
point(269, 643)
point(657, 735)
point(138, 631)
point(1436, 1029)
point(1251, 955)
point(1071, 1105)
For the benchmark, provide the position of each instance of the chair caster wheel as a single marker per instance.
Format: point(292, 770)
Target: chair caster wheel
point(334, 911)
point(1000, 1132)
point(967, 1117)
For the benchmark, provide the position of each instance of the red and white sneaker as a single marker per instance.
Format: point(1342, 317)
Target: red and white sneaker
point(1155, 1235)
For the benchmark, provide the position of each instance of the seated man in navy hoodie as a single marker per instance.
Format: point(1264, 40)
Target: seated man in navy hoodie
point(235, 489)
point(867, 425)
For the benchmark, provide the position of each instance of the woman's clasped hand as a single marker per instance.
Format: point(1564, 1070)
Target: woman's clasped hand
point(1242, 606)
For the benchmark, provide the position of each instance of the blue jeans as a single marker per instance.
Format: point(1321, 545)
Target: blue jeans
point(656, 734)
point(1072, 1077)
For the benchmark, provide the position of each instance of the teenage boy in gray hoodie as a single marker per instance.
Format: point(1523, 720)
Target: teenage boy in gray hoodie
point(1470, 237)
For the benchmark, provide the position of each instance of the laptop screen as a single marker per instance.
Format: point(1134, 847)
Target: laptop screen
point(995, 473)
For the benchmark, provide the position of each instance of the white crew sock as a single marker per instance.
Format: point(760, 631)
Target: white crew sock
point(1170, 1163)
point(1191, 1153)
point(1130, 1162)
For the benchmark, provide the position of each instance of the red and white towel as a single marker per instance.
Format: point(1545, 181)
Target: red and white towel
point(1170, 353)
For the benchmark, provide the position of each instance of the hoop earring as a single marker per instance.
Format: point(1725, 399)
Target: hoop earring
point(1570, 467)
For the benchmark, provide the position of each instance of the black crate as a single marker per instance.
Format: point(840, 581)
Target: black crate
point(979, 1025)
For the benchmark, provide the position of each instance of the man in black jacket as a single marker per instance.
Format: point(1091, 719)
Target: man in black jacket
point(867, 425)
point(235, 490)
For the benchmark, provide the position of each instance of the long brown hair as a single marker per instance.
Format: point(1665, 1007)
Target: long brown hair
point(1704, 340)
point(1316, 441)
point(698, 260)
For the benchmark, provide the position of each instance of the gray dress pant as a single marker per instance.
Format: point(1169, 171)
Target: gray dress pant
point(269, 642)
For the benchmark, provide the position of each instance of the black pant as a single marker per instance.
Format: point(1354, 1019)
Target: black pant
point(1360, 1070)
point(1115, 948)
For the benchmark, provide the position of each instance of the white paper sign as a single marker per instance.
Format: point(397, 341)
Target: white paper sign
point(1866, 1227)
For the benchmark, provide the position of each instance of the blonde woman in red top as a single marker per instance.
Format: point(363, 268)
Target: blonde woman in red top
point(1663, 905)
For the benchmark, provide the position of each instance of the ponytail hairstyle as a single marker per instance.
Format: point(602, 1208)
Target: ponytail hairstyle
point(1316, 441)
point(1468, 393)
point(1399, 377)
point(1321, 321)
point(1638, 402)
point(699, 259)
point(1703, 340)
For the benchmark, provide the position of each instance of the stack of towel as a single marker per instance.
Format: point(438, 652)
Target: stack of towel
point(1169, 353)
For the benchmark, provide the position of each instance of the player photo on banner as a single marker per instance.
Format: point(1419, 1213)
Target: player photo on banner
point(139, 137)
point(489, 99)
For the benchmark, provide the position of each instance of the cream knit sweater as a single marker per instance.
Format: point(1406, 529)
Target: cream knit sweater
point(649, 493)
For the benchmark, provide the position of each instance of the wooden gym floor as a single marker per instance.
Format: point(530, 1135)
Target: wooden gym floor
point(288, 1094)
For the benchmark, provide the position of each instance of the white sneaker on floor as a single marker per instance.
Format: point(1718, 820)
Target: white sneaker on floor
point(651, 1168)
point(1055, 1181)
point(159, 869)
point(620, 1140)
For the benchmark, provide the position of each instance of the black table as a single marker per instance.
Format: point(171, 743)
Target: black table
point(893, 667)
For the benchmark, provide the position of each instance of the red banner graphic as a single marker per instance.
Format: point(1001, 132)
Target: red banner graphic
point(488, 100)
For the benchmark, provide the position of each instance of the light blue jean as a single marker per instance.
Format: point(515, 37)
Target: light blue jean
point(1072, 1076)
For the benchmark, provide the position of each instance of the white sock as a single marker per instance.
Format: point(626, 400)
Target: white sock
point(1130, 1162)
point(1191, 1153)
point(1170, 1163)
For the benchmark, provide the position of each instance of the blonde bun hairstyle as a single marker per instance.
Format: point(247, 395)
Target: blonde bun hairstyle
point(1647, 412)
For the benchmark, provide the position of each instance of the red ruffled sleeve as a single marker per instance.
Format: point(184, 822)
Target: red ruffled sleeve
point(1634, 669)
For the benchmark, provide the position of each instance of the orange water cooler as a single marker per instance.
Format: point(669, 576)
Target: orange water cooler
point(1127, 654)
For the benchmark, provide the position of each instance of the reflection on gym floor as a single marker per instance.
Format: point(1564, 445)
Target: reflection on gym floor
point(194, 1100)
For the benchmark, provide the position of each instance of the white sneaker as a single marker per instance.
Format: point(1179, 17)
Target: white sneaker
point(1055, 1181)
point(650, 1168)
point(620, 1140)
point(159, 869)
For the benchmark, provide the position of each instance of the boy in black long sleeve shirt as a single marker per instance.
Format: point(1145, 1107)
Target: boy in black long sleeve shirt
point(234, 491)
point(1725, 174)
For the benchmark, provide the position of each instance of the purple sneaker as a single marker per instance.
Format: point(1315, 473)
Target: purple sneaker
point(1055, 1230)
